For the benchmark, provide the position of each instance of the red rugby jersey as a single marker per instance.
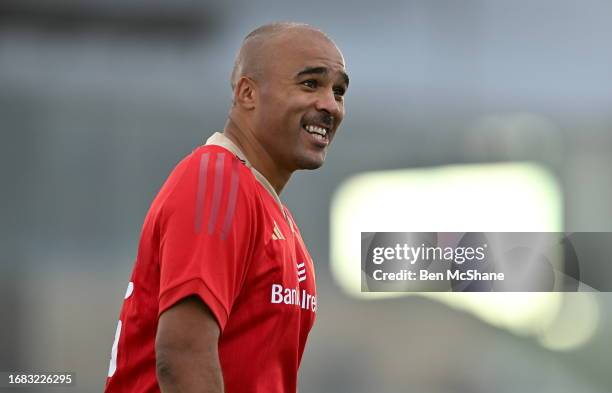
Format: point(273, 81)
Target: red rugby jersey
point(218, 230)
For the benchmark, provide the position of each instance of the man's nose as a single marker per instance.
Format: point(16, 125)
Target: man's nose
point(327, 102)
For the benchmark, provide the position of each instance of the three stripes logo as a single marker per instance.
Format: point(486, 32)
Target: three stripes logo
point(301, 271)
point(218, 181)
point(276, 233)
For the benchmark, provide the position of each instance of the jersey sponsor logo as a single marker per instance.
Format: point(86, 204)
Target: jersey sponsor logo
point(301, 271)
point(293, 296)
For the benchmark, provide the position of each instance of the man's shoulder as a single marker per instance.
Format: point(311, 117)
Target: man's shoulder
point(216, 165)
point(219, 152)
point(208, 190)
point(210, 172)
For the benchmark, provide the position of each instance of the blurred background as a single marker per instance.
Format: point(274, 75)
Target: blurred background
point(100, 99)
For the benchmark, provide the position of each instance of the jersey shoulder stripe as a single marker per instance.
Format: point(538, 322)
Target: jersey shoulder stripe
point(218, 183)
point(231, 207)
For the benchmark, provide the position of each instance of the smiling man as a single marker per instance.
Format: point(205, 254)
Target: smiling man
point(222, 296)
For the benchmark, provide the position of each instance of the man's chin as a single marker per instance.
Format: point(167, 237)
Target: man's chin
point(310, 163)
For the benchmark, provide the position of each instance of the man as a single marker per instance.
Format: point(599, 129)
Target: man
point(222, 295)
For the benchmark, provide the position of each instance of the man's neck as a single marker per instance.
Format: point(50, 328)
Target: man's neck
point(257, 155)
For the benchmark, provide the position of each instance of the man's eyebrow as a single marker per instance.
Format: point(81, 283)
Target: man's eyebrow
point(320, 71)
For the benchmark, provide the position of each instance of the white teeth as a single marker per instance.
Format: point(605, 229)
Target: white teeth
point(317, 130)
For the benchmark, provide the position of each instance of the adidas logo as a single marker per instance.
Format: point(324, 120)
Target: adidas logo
point(301, 271)
point(277, 234)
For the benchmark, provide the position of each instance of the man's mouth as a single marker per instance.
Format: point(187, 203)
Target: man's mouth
point(318, 132)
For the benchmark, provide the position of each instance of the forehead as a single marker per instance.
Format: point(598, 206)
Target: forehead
point(304, 48)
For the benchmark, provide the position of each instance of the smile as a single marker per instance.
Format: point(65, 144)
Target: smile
point(319, 134)
point(316, 130)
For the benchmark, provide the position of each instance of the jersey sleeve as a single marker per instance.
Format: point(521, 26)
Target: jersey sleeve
point(206, 234)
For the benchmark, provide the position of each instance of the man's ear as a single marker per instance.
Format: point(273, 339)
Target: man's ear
point(245, 93)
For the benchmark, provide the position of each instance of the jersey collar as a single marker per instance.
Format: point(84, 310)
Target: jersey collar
point(219, 139)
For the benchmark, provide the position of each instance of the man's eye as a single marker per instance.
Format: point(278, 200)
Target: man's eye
point(310, 83)
point(339, 91)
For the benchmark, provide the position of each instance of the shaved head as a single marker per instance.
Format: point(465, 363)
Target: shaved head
point(288, 84)
point(257, 48)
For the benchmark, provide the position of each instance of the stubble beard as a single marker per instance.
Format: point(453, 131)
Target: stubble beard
point(310, 163)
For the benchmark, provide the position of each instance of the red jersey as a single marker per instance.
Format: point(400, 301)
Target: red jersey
point(218, 230)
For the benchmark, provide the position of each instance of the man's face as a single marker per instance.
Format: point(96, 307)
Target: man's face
point(301, 99)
